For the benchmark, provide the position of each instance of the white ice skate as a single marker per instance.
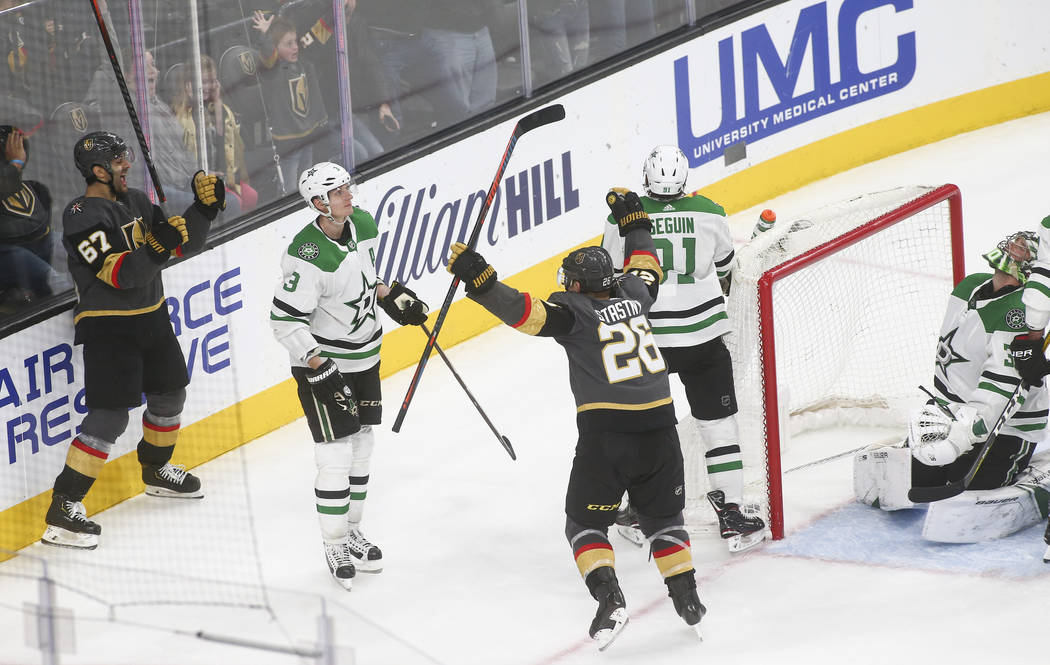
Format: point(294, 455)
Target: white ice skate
point(367, 557)
point(340, 563)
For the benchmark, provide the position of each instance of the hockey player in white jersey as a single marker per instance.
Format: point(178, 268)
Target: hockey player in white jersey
point(974, 378)
point(689, 319)
point(324, 314)
point(1028, 347)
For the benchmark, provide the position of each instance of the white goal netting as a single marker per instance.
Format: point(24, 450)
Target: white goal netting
point(854, 296)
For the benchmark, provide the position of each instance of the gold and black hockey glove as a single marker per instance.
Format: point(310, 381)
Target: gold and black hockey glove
point(209, 190)
point(403, 306)
point(627, 210)
point(329, 388)
point(471, 268)
point(166, 238)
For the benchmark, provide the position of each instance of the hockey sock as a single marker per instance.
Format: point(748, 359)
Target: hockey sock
point(362, 443)
point(332, 488)
point(84, 463)
point(158, 438)
point(670, 544)
point(725, 471)
point(590, 547)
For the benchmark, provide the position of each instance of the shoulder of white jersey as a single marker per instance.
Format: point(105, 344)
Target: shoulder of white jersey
point(311, 246)
point(365, 227)
point(966, 287)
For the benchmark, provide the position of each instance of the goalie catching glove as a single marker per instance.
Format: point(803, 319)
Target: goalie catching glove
point(329, 388)
point(627, 211)
point(471, 268)
point(938, 436)
point(402, 305)
point(166, 238)
point(209, 190)
point(1026, 350)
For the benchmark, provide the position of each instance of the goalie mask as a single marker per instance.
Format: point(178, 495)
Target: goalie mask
point(1015, 255)
point(664, 172)
point(590, 267)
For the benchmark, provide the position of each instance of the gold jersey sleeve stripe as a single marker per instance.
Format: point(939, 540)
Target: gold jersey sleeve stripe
point(111, 268)
point(534, 318)
point(644, 261)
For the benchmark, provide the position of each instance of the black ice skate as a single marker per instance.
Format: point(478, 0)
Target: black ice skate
point(171, 480)
point(742, 531)
point(340, 563)
point(627, 525)
point(367, 557)
point(612, 609)
point(67, 525)
point(682, 590)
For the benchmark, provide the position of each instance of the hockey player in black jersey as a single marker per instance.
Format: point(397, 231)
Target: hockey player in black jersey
point(626, 420)
point(117, 242)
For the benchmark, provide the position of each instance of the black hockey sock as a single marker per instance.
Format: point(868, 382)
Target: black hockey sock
point(73, 484)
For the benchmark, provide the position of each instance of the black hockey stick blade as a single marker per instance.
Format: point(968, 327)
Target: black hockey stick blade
point(541, 117)
point(937, 492)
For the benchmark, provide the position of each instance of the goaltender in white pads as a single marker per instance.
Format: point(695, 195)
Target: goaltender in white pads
point(974, 378)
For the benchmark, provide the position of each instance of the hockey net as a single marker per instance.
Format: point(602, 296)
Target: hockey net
point(835, 316)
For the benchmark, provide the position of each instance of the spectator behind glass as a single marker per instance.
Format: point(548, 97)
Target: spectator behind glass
point(465, 78)
point(560, 38)
point(223, 133)
point(25, 227)
point(173, 162)
point(292, 93)
point(372, 95)
point(617, 25)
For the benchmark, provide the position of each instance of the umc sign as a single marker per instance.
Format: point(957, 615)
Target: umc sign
point(748, 121)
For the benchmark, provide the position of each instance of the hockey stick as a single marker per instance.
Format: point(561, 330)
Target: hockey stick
point(940, 492)
point(504, 441)
point(123, 85)
point(538, 118)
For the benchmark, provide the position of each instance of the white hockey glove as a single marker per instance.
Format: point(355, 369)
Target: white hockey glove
point(938, 437)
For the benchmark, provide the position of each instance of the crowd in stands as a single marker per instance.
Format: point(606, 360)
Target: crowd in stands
point(268, 92)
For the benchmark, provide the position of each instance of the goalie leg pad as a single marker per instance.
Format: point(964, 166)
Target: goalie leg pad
point(332, 488)
point(882, 477)
point(980, 515)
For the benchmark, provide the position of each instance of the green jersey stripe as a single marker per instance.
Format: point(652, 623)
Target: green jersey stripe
point(699, 325)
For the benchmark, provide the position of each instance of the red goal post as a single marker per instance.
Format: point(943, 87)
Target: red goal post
point(836, 313)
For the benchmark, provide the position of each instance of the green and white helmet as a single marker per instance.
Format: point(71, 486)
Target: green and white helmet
point(1014, 255)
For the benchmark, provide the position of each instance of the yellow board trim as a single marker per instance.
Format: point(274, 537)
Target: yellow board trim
point(277, 406)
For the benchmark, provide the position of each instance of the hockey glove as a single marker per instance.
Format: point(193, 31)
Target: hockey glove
point(627, 211)
point(1029, 358)
point(209, 190)
point(402, 305)
point(166, 238)
point(329, 387)
point(938, 437)
point(471, 268)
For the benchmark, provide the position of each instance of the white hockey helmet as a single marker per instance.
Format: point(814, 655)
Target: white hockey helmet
point(321, 178)
point(665, 171)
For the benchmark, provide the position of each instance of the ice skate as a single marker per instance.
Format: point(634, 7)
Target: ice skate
point(1046, 539)
point(171, 480)
point(612, 610)
point(682, 590)
point(367, 557)
point(67, 525)
point(340, 563)
point(627, 525)
point(742, 531)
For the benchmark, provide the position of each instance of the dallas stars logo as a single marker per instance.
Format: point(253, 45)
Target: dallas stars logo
point(363, 305)
point(946, 355)
point(308, 251)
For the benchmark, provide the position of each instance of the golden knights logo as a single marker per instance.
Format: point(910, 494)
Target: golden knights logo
point(79, 119)
point(133, 233)
point(300, 95)
point(247, 60)
point(89, 144)
point(22, 203)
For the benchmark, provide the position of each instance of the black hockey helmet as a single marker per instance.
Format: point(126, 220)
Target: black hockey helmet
point(99, 149)
point(592, 267)
point(5, 131)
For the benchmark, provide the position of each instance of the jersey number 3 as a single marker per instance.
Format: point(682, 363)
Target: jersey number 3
point(87, 247)
point(631, 344)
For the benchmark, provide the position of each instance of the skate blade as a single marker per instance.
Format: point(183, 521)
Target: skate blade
point(631, 534)
point(56, 537)
point(368, 567)
point(745, 541)
point(699, 634)
point(1046, 555)
point(165, 493)
point(605, 636)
